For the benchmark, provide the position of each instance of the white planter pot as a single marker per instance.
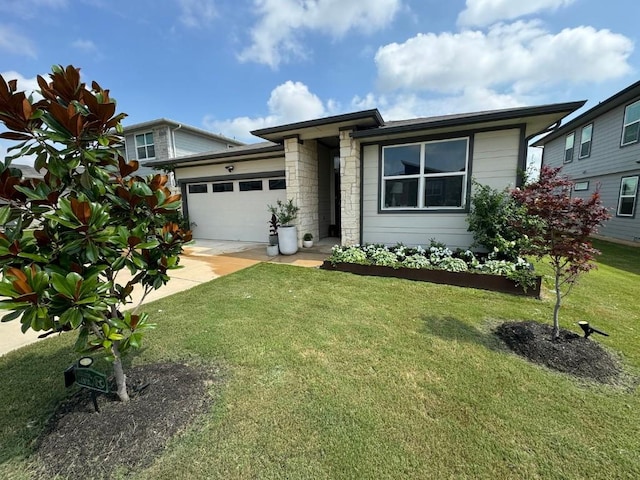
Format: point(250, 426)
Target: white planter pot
point(307, 243)
point(288, 239)
point(272, 250)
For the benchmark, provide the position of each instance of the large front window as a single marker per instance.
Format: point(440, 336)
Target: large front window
point(631, 127)
point(428, 175)
point(144, 146)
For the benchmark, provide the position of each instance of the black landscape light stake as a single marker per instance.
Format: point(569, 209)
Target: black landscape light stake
point(588, 330)
point(83, 375)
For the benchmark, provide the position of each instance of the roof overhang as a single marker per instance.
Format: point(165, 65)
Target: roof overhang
point(623, 97)
point(258, 151)
point(322, 127)
point(145, 126)
point(535, 120)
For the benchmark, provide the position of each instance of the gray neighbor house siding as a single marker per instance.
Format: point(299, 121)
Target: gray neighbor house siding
point(166, 139)
point(608, 163)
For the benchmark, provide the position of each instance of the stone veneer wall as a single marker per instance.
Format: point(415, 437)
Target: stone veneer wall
point(301, 166)
point(349, 188)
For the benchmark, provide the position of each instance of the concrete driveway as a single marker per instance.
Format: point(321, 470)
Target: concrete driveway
point(202, 261)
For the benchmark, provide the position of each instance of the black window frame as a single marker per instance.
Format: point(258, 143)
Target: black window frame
point(422, 179)
point(583, 142)
point(568, 151)
point(214, 186)
point(634, 196)
point(243, 183)
point(277, 184)
point(625, 125)
point(193, 188)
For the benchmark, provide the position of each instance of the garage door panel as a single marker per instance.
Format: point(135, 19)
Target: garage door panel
point(236, 215)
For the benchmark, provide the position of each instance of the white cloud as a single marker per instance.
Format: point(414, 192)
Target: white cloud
point(85, 45)
point(197, 13)
point(27, 85)
point(522, 55)
point(481, 13)
point(276, 36)
point(402, 106)
point(13, 42)
point(289, 102)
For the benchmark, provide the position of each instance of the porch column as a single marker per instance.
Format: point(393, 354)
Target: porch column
point(301, 166)
point(349, 188)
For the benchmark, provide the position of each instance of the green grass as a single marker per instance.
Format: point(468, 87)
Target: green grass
point(331, 375)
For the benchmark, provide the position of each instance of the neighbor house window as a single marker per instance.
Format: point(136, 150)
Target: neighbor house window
point(428, 175)
point(199, 188)
point(250, 185)
point(581, 186)
point(628, 194)
point(585, 141)
point(144, 146)
point(568, 147)
point(631, 127)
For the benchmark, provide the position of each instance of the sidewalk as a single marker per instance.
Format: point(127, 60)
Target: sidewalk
point(202, 262)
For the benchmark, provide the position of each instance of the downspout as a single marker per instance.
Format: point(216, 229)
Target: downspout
point(173, 147)
point(173, 139)
point(523, 166)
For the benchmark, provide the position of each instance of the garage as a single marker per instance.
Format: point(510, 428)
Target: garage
point(233, 209)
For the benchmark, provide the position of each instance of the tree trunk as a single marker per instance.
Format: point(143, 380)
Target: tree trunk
point(121, 378)
point(556, 310)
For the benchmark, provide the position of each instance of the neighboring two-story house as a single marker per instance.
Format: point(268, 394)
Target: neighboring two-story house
point(600, 149)
point(164, 139)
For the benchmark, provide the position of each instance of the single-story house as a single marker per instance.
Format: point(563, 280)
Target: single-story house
point(359, 178)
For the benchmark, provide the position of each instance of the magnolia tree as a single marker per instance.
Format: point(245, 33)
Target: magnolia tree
point(559, 229)
point(75, 243)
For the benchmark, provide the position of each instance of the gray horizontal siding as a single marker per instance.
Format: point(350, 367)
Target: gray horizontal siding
point(607, 156)
point(620, 228)
point(605, 167)
point(187, 143)
point(494, 163)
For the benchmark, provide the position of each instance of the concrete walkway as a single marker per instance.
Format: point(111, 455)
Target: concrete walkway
point(202, 261)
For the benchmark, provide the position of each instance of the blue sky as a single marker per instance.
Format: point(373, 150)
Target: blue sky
point(231, 66)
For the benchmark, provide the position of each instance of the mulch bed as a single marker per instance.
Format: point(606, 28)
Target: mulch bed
point(571, 353)
point(165, 399)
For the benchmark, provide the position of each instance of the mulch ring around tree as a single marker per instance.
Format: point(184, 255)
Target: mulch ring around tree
point(571, 353)
point(125, 437)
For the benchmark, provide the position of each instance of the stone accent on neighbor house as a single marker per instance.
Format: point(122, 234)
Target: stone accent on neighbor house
point(301, 166)
point(349, 188)
point(161, 142)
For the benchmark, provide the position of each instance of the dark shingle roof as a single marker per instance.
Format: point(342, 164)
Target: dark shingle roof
point(620, 98)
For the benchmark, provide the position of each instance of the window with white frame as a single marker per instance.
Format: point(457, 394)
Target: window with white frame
point(426, 175)
point(585, 141)
point(631, 126)
point(581, 186)
point(628, 194)
point(568, 147)
point(144, 146)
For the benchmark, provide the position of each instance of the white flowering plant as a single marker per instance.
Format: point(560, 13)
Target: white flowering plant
point(435, 257)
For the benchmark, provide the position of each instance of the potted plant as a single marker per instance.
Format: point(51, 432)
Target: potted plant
point(286, 213)
point(272, 248)
point(307, 240)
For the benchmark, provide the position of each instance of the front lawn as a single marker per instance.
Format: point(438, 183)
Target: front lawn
point(332, 375)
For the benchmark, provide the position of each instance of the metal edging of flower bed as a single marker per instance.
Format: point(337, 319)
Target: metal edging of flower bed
point(483, 281)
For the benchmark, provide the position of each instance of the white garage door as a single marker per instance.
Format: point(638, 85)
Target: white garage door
point(233, 210)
